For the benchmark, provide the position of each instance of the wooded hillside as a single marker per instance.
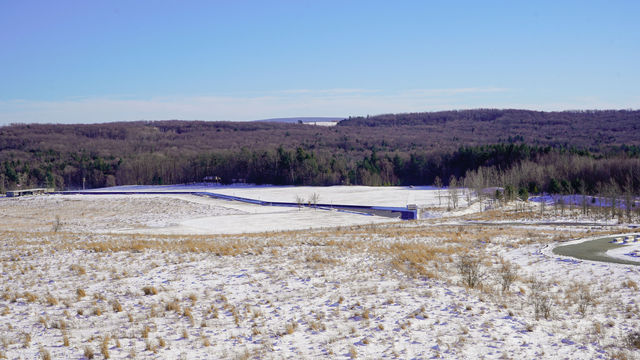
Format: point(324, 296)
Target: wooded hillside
point(379, 150)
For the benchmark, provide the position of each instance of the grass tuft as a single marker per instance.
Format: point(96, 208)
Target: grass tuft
point(150, 290)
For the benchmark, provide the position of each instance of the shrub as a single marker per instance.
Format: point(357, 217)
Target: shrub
point(507, 274)
point(540, 300)
point(45, 354)
point(585, 299)
point(469, 269)
point(88, 352)
point(150, 290)
point(57, 224)
point(117, 307)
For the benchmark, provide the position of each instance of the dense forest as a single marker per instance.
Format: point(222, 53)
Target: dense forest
point(557, 152)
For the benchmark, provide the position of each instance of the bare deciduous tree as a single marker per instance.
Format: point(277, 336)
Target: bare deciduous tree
point(313, 199)
point(299, 201)
point(437, 182)
point(453, 192)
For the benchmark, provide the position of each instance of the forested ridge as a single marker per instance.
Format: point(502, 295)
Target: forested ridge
point(585, 151)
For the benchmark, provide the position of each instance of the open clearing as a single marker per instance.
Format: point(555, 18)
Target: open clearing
point(181, 276)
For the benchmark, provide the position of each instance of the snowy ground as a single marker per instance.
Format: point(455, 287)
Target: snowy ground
point(393, 196)
point(579, 200)
point(166, 214)
point(127, 276)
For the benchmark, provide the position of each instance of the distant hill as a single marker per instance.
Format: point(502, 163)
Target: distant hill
point(295, 120)
point(411, 148)
point(586, 129)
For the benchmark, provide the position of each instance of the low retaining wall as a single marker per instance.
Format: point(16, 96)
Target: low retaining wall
point(393, 212)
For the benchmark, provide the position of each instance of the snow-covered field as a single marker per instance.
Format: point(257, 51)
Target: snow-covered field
point(391, 196)
point(181, 276)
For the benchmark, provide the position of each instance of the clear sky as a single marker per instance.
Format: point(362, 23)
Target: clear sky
point(95, 61)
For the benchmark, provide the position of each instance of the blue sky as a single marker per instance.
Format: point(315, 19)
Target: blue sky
point(95, 61)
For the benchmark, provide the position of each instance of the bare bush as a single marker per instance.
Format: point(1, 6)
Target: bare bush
point(585, 299)
point(540, 300)
point(299, 201)
point(313, 199)
point(469, 269)
point(453, 192)
point(507, 274)
point(57, 224)
point(88, 352)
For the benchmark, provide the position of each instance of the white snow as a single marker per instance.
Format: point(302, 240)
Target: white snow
point(389, 196)
point(230, 278)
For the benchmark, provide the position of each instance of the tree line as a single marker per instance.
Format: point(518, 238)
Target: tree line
point(534, 168)
point(556, 152)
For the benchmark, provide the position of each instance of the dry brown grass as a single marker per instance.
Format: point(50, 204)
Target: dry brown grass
point(145, 331)
point(193, 297)
point(161, 342)
point(88, 352)
point(78, 269)
point(353, 352)
point(51, 300)
point(173, 306)
point(65, 338)
point(205, 341)
point(317, 326)
point(417, 259)
point(150, 290)
point(291, 327)
point(116, 306)
point(104, 346)
point(26, 340)
point(164, 243)
point(30, 297)
point(320, 258)
point(80, 293)
point(630, 284)
point(44, 353)
point(187, 313)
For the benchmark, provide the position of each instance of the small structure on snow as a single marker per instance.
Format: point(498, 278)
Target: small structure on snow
point(37, 191)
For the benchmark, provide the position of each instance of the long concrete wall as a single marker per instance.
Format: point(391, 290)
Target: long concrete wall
point(393, 212)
